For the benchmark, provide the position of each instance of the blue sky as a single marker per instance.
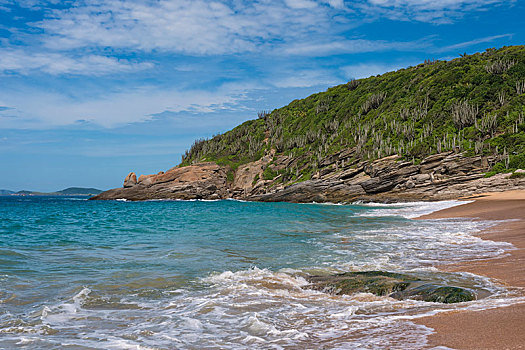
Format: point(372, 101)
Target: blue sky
point(93, 89)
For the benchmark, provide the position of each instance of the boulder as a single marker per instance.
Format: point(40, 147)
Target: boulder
point(436, 293)
point(130, 180)
point(395, 285)
point(146, 180)
point(375, 282)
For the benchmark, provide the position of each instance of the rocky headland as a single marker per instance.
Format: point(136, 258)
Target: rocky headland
point(447, 175)
point(429, 132)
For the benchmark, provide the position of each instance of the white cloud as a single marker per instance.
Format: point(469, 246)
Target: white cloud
point(304, 78)
point(48, 109)
point(301, 4)
point(348, 46)
point(338, 4)
point(27, 62)
point(200, 27)
point(436, 11)
point(194, 27)
point(474, 42)
point(365, 70)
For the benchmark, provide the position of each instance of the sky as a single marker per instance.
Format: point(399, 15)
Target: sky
point(93, 89)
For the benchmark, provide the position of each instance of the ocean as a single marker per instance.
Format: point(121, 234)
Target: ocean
point(79, 274)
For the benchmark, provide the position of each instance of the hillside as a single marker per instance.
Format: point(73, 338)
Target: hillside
point(474, 103)
point(469, 110)
point(71, 191)
point(79, 191)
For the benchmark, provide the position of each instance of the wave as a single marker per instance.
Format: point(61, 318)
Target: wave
point(407, 210)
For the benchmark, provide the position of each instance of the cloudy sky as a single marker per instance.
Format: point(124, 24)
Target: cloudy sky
point(93, 89)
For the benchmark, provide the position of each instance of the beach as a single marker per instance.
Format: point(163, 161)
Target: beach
point(499, 328)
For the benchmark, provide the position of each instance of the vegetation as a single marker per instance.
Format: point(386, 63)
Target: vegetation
point(475, 103)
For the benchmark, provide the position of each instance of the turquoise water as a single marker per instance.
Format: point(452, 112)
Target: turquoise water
point(78, 274)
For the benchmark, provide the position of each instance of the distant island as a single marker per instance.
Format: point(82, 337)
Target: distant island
point(71, 191)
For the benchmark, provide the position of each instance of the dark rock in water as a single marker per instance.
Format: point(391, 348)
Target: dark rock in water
point(436, 293)
point(375, 282)
point(394, 285)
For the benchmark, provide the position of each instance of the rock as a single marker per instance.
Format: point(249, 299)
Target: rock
point(519, 171)
point(199, 181)
point(375, 282)
point(421, 178)
point(130, 180)
point(436, 293)
point(410, 184)
point(314, 191)
point(395, 285)
point(146, 180)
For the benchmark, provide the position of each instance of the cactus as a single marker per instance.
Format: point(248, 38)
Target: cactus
point(520, 87)
point(464, 114)
point(499, 66)
point(373, 102)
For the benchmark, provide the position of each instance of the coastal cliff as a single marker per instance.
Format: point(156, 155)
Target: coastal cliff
point(438, 177)
point(439, 130)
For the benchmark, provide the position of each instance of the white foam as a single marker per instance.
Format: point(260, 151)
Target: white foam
point(252, 308)
point(408, 210)
point(26, 340)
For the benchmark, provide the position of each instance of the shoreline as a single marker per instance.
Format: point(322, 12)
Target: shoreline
point(498, 328)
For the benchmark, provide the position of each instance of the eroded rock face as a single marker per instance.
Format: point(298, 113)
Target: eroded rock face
point(441, 176)
point(199, 181)
point(340, 178)
point(130, 180)
point(395, 285)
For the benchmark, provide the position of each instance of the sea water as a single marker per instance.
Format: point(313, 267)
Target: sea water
point(78, 274)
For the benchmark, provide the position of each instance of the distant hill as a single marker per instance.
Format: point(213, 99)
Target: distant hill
point(26, 193)
point(71, 191)
point(79, 191)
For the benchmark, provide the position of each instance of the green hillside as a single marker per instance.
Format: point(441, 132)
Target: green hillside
point(79, 191)
point(71, 191)
point(473, 103)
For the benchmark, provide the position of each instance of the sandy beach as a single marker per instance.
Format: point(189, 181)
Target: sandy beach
point(500, 328)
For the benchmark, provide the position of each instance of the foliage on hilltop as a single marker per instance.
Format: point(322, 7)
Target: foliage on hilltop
point(474, 103)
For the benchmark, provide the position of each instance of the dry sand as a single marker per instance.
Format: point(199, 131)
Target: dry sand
point(501, 328)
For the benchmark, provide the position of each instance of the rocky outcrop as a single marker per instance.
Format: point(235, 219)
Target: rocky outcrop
point(395, 285)
point(130, 180)
point(341, 177)
point(440, 176)
point(199, 181)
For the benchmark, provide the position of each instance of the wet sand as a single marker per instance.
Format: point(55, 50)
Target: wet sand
point(500, 328)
